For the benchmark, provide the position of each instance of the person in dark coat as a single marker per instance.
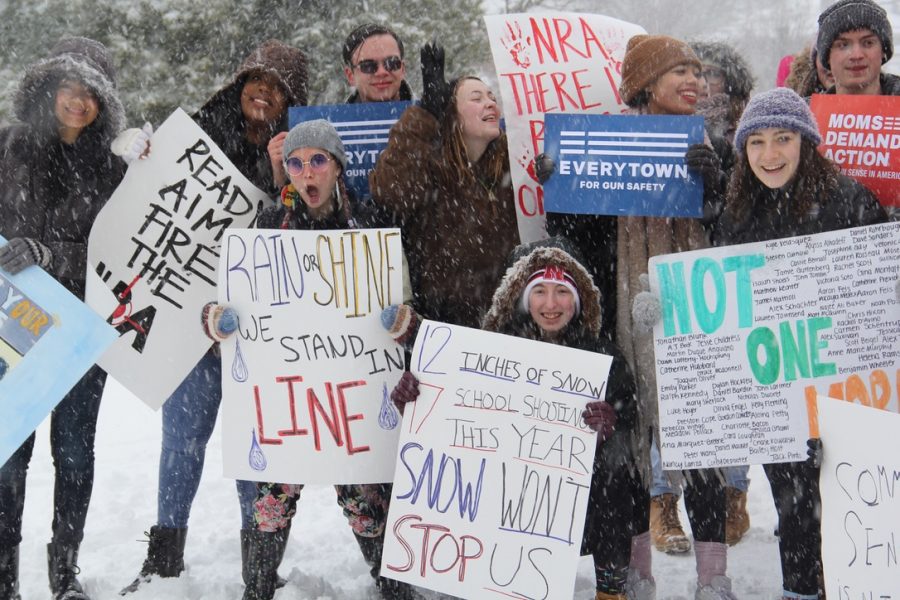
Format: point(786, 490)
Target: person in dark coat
point(56, 173)
point(241, 118)
point(445, 177)
point(316, 199)
point(782, 187)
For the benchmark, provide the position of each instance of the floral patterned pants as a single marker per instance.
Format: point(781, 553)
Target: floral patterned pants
point(364, 505)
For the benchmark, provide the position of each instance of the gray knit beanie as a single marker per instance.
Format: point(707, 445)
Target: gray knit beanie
point(850, 15)
point(318, 133)
point(780, 107)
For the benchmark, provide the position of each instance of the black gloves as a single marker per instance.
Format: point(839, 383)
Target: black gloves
point(704, 160)
point(24, 252)
point(543, 167)
point(406, 390)
point(815, 453)
point(435, 89)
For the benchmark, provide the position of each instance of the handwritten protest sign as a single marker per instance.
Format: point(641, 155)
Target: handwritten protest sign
point(48, 340)
point(153, 254)
point(622, 165)
point(363, 128)
point(862, 135)
point(750, 331)
point(564, 62)
point(494, 468)
point(306, 382)
point(860, 500)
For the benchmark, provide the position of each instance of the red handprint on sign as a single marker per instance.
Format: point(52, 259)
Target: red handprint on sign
point(517, 45)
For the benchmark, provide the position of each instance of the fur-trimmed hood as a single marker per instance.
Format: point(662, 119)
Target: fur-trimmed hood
point(525, 260)
point(738, 77)
point(79, 58)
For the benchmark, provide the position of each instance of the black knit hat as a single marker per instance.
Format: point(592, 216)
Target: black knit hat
point(361, 34)
point(850, 15)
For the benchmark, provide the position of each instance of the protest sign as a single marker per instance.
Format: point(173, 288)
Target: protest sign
point(48, 340)
point(749, 332)
point(565, 62)
point(307, 379)
point(860, 500)
point(494, 468)
point(363, 128)
point(153, 254)
point(622, 165)
point(862, 135)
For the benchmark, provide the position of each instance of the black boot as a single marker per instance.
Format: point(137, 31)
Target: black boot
point(389, 589)
point(165, 556)
point(280, 581)
point(62, 568)
point(260, 563)
point(9, 574)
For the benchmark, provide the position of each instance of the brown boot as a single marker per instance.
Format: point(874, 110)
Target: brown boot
point(737, 521)
point(605, 596)
point(665, 528)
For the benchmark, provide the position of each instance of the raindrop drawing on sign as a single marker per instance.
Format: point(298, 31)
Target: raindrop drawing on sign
point(239, 367)
point(256, 458)
point(388, 417)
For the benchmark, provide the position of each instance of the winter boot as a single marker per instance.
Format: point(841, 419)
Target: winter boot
point(712, 562)
point(389, 589)
point(260, 563)
point(605, 596)
point(165, 556)
point(638, 587)
point(718, 589)
point(62, 568)
point(737, 521)
point(280, 581)
point(665, 528)
point(9, 574)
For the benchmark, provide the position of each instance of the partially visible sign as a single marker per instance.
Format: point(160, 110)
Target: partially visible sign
point(862, 135)
point(622, 165)
point(363, 128)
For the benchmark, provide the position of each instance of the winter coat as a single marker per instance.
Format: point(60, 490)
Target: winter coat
point(405, 94)
point(583, 331)
point(49, 190)
point(850, 205)
point(223, 120)
point(890, 85)
point(456, 235)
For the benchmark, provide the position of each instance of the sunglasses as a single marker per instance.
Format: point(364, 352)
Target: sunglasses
point(370, 67)
point(316, 162)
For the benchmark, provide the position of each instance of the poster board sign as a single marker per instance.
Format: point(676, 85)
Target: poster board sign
point(306, 381)
point(862, 135)
point(749, 332)
point(548, 63)
point(363, 128)
point(154, 251)
point(622, 165)
point(860, 503)
point(494, 467)
point(48, 340)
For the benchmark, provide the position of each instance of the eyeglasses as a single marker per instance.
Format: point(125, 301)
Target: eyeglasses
point(370, 67)
point(713, 74)
point(317, 162)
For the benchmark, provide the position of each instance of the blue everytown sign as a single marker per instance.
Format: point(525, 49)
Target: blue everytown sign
point(363, 128)
point(622, 165)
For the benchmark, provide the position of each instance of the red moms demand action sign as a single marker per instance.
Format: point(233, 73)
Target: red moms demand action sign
point(862, 135)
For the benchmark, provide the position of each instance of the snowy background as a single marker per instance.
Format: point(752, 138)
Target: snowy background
point(322, 559)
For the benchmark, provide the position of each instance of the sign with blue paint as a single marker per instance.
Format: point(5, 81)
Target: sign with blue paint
point(363, 128)
point(494, 467)
point(306, 380)
point(622, 165)
point(44, 330)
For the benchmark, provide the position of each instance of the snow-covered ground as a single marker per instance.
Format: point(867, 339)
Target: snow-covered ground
point(322, 559)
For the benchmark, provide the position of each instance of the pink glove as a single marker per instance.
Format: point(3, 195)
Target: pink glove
point(406, 390)
point(601, 417)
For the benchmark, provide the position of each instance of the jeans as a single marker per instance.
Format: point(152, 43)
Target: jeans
point(735, 477)
point(188, 419)
point(73, 425)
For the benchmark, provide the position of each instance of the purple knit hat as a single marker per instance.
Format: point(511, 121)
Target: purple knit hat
point(780, 107)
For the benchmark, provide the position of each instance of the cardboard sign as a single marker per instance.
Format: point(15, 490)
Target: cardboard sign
point(153, 254)
point(862, 135)
point(622, 165)
point(564, 62)
point(749, 332)
point(363, 128)
point(494, 468)
point(306, 381)
point(860, 500)
point(48, 340)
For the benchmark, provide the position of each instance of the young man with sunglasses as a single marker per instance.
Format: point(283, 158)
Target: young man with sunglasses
point(373, 64)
